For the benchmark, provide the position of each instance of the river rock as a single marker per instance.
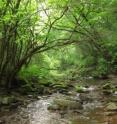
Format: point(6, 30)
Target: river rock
point(113, 99)
point(107, 86)
point(2, 122)
point(110, 113)
point(6, 100)
point(115, 93)
point(111, 106)
point(107, 92)
point(63, 102)
point(53, 107)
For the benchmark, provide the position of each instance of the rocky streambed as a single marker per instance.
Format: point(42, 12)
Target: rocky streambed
point(92, 106)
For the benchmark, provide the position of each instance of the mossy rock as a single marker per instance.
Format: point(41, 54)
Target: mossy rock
point(53, 107)
point(113, 99)
point(80, 89)
point(59, 85)
point(107, 86)
point(45, 83)
point(111, 106)
point(7, 100)
point(109, 89)
point(107, 92)
point(110, 113)
point(65, 103)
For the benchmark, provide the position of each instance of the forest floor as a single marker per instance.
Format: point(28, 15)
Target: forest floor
point(95, 104)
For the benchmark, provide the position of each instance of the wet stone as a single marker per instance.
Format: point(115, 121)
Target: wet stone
point(111, 106)
point(110, 113)
point(63, 104)
point(113, 98)
point(2, 122)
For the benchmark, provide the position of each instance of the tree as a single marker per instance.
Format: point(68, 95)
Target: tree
point(29, 27)
point(19, 39)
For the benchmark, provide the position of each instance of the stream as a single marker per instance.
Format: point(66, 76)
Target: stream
point(36, 112)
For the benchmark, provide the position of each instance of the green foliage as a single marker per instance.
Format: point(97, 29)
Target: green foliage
point(86, 58)
point(29, 72)
point(29, 28)
point(79, 88)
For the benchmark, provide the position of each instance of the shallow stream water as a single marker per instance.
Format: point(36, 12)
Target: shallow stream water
point(36, 112)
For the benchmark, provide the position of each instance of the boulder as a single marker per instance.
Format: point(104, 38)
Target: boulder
point(65, 103)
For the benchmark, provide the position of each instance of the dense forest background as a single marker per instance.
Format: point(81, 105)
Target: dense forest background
point(50, 41)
